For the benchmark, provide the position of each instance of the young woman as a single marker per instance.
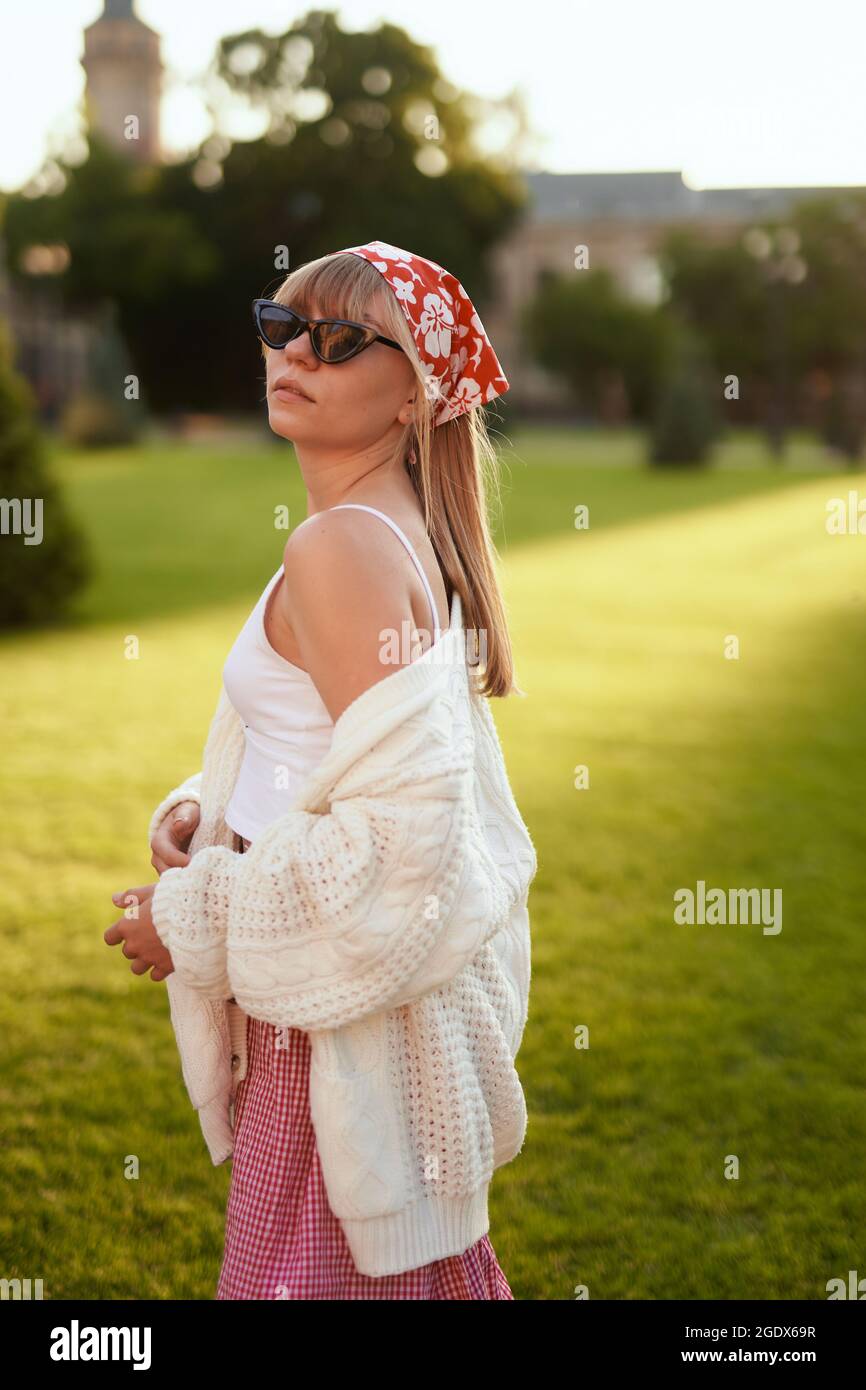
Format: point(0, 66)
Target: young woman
point(376, 362)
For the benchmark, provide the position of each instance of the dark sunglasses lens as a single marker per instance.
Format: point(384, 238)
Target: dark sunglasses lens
point(277, 325)
point(338, 341)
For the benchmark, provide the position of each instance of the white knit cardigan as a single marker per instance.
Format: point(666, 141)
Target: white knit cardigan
point(385, 914)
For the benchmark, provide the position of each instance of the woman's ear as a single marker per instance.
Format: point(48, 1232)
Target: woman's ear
point(406, 413)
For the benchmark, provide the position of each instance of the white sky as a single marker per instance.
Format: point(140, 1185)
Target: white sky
point(746, 92)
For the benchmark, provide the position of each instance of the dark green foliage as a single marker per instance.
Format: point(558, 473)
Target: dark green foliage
point(183, 248)
point(585, 331)
point(37, 581)
point(687, 418)
point(844, 424)
point(101, 415)
point(790, 312)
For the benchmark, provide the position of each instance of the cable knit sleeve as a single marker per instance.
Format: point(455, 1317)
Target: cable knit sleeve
point(331, 917)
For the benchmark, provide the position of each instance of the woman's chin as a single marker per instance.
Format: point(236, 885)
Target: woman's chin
point(279, 426)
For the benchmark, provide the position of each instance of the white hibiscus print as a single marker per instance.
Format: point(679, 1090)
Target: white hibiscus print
point(458, 363)
point(432, 384)
point(479, 348)
point(403, 289)
point(436, 324)
point(466, 395)
point(389, 252)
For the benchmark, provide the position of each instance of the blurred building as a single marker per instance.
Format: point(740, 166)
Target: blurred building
point(620, 219)
point(54, 349)
point(51, 348)
point(124, 81)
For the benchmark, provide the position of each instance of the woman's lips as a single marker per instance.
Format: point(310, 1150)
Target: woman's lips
point(284, 393)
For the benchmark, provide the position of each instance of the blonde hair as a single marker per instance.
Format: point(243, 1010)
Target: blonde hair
point(455, 469)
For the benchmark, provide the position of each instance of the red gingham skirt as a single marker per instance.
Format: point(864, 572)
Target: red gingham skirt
point(282, 1239)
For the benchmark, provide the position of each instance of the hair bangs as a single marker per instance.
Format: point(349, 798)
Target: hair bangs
point(338, 286)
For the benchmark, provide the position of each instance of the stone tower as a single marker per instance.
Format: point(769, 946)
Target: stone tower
point(124, 75)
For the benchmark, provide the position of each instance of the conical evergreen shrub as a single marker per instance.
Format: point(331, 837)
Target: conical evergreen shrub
point(44, 556)
point(687, 419)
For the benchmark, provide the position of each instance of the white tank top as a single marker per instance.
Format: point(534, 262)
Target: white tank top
point(287, 727)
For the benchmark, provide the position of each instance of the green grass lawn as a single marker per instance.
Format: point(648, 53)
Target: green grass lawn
point(704, 1041)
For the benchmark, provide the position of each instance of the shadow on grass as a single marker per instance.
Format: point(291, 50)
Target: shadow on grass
point(177, 529)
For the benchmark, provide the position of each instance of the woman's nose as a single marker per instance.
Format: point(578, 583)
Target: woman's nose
point(300, 348)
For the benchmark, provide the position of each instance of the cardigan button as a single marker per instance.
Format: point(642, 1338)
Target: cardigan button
point(236, 1061)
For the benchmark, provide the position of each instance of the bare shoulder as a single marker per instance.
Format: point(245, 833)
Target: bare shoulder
point(346, 609)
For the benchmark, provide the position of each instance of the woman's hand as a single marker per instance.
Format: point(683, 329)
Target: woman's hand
point(171, 840)
point(141, 944)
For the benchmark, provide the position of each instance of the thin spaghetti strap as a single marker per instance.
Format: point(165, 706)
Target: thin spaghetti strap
point(419, 567)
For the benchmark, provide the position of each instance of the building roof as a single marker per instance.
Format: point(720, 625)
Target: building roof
point(656, 196)
point(118, 9)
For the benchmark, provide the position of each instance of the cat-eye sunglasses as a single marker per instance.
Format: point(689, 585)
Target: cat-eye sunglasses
point(333, 340)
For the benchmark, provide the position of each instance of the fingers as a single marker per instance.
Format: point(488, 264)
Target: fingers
point(172, 838)
point(141, 967)
point(182, 821)
point(126, 898)
point(137, 937)
point(132, 897)
point(182, 824)
point(140, 963)
point(166, 854)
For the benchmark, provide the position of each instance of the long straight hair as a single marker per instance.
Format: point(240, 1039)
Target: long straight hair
point(454, 467)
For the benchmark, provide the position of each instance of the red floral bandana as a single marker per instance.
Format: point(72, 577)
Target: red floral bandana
point(462, 370)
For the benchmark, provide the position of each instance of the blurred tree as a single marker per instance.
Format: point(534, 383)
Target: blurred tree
point(104, 413)
point(721, 292)
point(828, 318)
point(582, 329)
point(37, 580)
point(363, 139)
point(783, 302)
point(687, 418)
point(132, 256)
point(843, 426)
